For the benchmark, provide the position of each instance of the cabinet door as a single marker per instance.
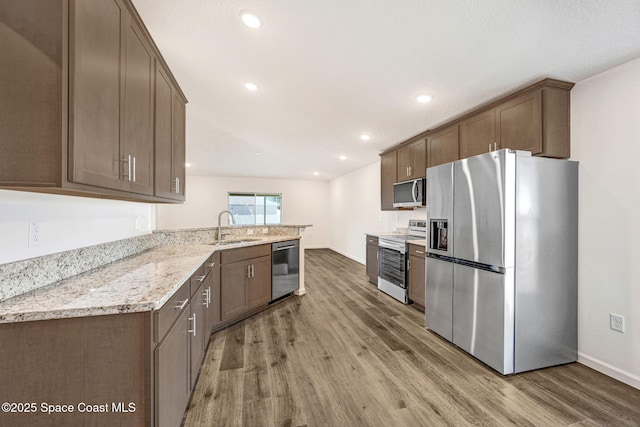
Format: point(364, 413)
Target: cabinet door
point(442, 146)
point(95, 92)
point(197, 332)
point(164, 184)
point(520, 123)
point(214, 279)
point(172, 374)
point(233, 289)
point(372, 259)
point(259, 284)
point(387, 179)
point(417, 280)
point(478, 134)
point(137, 111)
point(404, 163)
point(418, 159)
point(178, 146)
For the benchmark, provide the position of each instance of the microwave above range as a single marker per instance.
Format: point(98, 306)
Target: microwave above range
point(410, 194)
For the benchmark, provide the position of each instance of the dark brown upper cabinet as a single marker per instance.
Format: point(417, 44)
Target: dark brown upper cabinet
point(411, 161)
point(478, 134)
point(169, 138)
point(442, 146)
point(388, 173)
point(81, 101)
point(534, 119)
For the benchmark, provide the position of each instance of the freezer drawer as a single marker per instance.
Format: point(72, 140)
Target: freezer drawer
point(439, 297)
point(483, 313)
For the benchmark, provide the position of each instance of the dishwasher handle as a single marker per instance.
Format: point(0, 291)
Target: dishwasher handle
point(282, 248)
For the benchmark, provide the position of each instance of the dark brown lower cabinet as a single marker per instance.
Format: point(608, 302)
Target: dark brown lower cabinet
point(259, 284)
point(100, 367)
point(198, 333)
point(245, 281)
point(372, 259)
point(173, 385)
point(417, 283)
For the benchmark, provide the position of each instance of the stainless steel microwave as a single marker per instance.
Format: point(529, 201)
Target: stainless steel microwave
point(408, 194)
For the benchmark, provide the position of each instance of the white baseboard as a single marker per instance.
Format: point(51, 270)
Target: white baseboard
point(363, 262)
point(609, 370)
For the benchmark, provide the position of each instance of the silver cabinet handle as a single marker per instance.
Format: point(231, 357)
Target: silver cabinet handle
point(181, 304)
point(127, 160)
point(206, 296)
point(489, 147)
point(495, 146)
point(201, 278)
point(419, 252)
point(134, 168)
point(176, 187)
point(211, 264)
point(410, 170)
point(248, 271)
point(193, 331)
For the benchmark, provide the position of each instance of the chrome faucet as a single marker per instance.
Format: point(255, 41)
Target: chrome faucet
point(233, 221)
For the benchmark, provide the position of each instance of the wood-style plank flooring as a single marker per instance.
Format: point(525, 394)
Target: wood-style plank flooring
point(345, 354)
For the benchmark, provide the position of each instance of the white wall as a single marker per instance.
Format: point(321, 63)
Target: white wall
point(354, 206)
point(67, 222)
point(605, 138)
point(303, 202)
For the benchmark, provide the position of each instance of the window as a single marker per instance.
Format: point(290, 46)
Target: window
point(254, 208)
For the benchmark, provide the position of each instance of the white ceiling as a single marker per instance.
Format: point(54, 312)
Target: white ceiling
point(330, 70)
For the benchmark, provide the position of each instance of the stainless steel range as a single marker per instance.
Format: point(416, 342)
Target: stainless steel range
point(392, 259)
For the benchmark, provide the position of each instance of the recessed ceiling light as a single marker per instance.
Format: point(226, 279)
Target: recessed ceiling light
point(423, 99)
point(188, 165)
point(365, 137)
point(316, 173)
point(251, 86)
point(257, 153)
point(343, 157)
point(250, 19)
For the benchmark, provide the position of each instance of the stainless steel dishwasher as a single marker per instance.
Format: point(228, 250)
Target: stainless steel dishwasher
point(285, 268)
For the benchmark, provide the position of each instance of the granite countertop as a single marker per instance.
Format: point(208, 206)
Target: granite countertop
point(138, 283)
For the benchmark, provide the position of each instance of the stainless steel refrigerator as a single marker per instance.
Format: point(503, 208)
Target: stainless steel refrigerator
point(502, 258)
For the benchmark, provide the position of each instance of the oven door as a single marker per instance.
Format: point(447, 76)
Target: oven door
point(392, 266)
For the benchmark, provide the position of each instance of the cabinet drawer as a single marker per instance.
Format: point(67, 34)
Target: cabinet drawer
point(372, 240)
point(417, 250)
point(197, 279)
point(239, 254)
point(211, 262)
point(170, 311)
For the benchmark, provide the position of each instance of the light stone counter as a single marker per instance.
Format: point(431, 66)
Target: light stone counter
point(418, 242)
point(137, 283)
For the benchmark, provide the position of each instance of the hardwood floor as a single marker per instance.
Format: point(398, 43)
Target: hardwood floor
point(345, 354)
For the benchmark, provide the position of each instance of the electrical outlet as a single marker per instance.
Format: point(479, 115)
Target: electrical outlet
point(616, 322)
point(381, 218)
point(35, 233)
point(250, 231)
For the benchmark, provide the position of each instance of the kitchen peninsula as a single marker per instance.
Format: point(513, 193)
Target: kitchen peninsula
point(111, 338)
